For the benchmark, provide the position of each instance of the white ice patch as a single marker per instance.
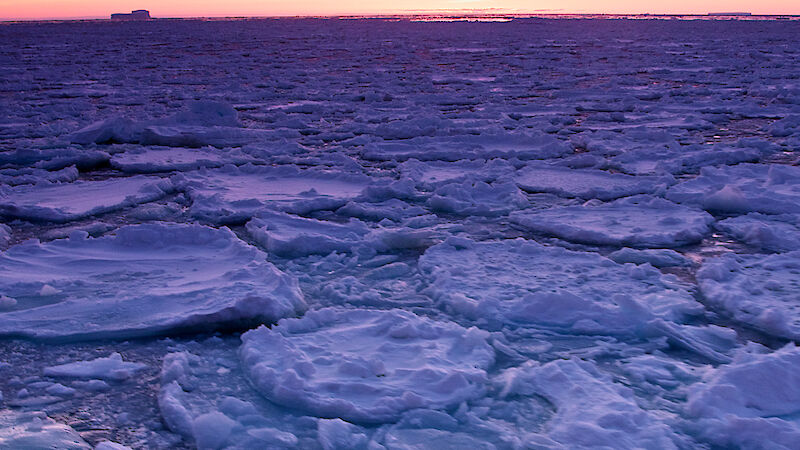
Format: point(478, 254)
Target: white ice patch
point(758, 290)
point(433, 174)
point(523, 283)
point(591, 409)
point(235, 194)
point(366, 366)
point(71, 201)
point(166, 159)
point(752, 402)
point(778, 233)
point(110, 368)
point(203, 123)
point(588, 183)
point(769, 189)
point(291, 236)
point(640, 221)
point(34, 430)
point(5, 234)
point(165, 277)
point(478, 199)
point(482, 146)
point(654, 257)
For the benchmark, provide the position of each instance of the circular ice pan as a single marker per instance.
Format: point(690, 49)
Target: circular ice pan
point(366, 366)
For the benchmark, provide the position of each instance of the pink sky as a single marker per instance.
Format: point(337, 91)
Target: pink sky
point(49, 9)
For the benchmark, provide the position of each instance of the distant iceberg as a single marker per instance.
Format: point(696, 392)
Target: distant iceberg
point(139, 14)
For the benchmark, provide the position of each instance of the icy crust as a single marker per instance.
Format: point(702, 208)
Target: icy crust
point(53, 159)
point(203, 123)
point(5, 234)
point(640, 221)
point(34, 430)
point(588, 183)
point(778, 233)
point(292, 236)
point(478, 199)
point(166, 159)
point(654, 257)
point(109, 368)
point(366, 366)
point(760, 291)
point(753, 402)
point(16, 177)
point(206, 400)
point(522, 283)
point(236, 194)
point(66, 202)
point(166, 278)
point(433, 174)
point(744, 188)
point(453, 148)
point(591, 410)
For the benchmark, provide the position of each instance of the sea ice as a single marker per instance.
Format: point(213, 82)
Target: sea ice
point(760, 291)
point(776, 233)
point(751, 402)
point(166, 159)
point(744, 188)
point(167, 277)
point(110, 368)
point(640, 221)
point(588, 183)
point(365, 365)
point(523, 283)
point(235, 194)
point(70, 201)
point(33, 430)
point(591, 409)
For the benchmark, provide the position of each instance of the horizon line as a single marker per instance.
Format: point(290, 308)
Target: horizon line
point(442, 13)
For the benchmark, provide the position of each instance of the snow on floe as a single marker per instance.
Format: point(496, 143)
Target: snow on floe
point(588, 183)
point(523, 283)
point(744, 188)
point(293, 236)
point(235, 194)
point(109, 368)
point(5, 234)
point(760, 291)
point(482, 146)
point(433, 174)
point(204, 123)
point(753, 402)
point(53, 159)
point(478, 199)
point(32, 430)
point(70, 201)
point(778, 233)
point(366, 366)
point(591, 410)
point(640, 221)
point(206, 400)
point(165, 159)
point(654, 257)
point(165, 277)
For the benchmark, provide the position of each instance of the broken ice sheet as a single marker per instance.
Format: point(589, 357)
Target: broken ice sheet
point(143, 280)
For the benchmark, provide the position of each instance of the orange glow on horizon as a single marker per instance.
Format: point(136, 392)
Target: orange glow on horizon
point(64, 9)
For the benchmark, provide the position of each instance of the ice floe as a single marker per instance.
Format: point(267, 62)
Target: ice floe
point(523, 283)
point(366, 366)
point(79, 199)
point(757, 290)
point(640, 221)
point(167, 277)
point(588, 183)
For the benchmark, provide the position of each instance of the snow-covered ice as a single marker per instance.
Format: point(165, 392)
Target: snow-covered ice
point(142, 280)
point(366, 366)
point(403, 234)
point(639, 221)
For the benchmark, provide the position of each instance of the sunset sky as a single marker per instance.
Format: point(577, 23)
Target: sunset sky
point(49, 9)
